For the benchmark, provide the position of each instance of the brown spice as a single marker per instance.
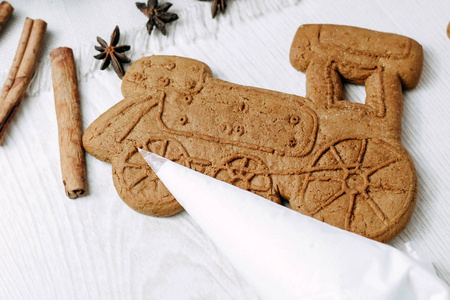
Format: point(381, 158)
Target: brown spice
point(216, 5)
point(113, 53)
point(22, 69)
point(68, 113)
point(157, 15)
point(448, 30)
point(6, 11)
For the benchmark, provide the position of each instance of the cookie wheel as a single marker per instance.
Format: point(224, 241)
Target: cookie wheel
point(246, 172)
point(363, 185)
point(138, 185)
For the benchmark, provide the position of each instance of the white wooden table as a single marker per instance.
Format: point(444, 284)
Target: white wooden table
point(98, 248)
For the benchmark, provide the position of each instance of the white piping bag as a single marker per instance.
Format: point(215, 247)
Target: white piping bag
point(286, 255)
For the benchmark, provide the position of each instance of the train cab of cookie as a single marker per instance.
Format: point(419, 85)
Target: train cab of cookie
point(384, 62)
point(339, 162)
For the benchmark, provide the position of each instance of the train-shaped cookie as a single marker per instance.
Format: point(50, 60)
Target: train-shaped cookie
point(337, 161)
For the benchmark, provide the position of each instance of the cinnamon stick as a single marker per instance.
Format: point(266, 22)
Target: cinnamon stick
point(68, 113)
point(448, 30)
point(6, 11)
point(21, 72)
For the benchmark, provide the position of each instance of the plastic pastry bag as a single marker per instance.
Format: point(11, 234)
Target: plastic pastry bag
point(286, 255)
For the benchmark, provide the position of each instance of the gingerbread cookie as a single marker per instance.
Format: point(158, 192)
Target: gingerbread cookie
point(337, 161)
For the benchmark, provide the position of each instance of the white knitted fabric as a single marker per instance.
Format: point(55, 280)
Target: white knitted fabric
point(76, 24)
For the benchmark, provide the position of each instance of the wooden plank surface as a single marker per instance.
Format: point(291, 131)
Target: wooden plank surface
point(98, 248)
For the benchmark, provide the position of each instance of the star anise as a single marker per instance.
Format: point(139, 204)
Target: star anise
point(216, 5)
point(113, 53)
point(157, 15)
